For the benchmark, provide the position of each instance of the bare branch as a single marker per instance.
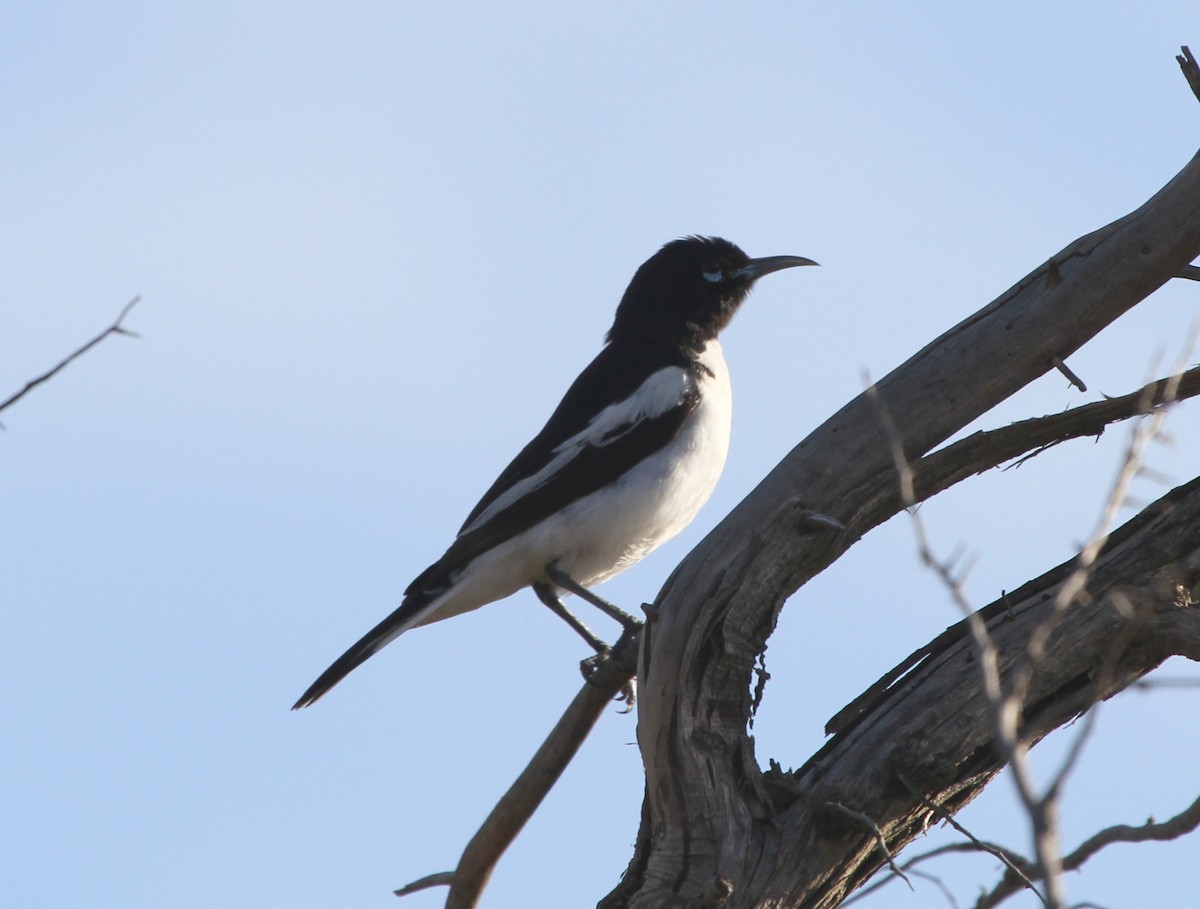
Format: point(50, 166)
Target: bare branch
point(1180, 825)
point(1007, 700)
point(1172, 829)
point(116, 328)
point(1062, 367)
point(986, 449)
point(880, 839)
point(909, 865)
point(517, 805)
point(441, 879)
point(1016, 864)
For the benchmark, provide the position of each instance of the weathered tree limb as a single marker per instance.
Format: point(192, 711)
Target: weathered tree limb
point(973, 455)
point(924, 737)
point(709, 814)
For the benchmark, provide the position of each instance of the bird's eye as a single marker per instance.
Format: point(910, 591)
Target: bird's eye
point(714, 276)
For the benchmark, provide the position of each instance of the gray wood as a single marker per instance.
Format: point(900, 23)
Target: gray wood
point(716, 831)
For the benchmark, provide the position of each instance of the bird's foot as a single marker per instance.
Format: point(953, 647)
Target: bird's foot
point(593, 668)
point(616, 667)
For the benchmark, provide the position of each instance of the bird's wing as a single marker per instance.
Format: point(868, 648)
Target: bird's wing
point(618, 375)
point(620, 410)
point(606, 424)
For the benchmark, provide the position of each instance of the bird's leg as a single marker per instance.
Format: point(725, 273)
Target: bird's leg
point(566, 582)
point(545, 593)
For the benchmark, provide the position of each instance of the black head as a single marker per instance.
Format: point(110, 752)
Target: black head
point(689, 290)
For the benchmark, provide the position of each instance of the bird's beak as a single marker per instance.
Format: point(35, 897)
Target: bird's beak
point(767, 264)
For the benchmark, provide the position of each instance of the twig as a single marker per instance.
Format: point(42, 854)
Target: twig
point(987, 449)
point(1042, 809)
point(1179, 825)
point(1066, 371)
point(940, 884)
point(441, 879)
point(1011, 860)
point(116, 328)
point(910, 865)
point(880, 840)
point(1006, 706)
point(517, 805)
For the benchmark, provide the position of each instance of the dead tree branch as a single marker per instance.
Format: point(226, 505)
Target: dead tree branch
point(709, 813)
point(927, 736)
point(990, 448)
point(505, 821)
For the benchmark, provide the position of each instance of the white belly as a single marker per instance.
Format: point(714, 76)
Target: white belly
point(607, 531)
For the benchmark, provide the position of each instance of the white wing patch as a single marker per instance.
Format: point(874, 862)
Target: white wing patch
point(661, 391)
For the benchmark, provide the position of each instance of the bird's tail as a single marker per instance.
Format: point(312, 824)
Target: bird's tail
point(414, 608)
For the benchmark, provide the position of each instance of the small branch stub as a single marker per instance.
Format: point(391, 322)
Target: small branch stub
point(1191, 70)
point(1066, 371)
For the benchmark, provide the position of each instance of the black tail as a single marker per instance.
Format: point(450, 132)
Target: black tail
point(409, 612)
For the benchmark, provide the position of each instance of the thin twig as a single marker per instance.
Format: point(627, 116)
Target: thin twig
point(441, 879)
point(1011, 860)
point(990, 448)
point(909, 866)
point(1180, 825)
point(1067, 371)
point(1006, 705)
point(1043, 809)
point(116, 328)
point(940, 884)
point(880, 840)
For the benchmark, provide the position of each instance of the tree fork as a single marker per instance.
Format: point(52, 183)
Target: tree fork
point(710, 816)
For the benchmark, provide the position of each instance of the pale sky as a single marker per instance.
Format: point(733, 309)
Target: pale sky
point(374, 244)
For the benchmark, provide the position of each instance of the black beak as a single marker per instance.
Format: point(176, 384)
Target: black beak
point(767, 264)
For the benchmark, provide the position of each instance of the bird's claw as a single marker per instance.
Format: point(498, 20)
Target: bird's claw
point(590, 666)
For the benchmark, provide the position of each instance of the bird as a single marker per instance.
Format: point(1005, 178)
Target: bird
point(624, 463)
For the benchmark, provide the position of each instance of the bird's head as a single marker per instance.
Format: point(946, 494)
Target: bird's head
point(689, 290)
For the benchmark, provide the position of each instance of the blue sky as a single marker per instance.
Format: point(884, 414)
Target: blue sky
point(374, 242)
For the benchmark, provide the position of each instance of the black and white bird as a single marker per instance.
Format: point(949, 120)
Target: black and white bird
point(625, 462)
